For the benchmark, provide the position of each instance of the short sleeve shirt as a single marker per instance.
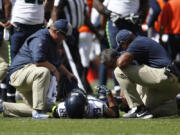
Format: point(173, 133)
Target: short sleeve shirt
point(149, 52)
point(39, 47)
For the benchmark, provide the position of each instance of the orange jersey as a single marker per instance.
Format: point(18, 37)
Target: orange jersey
point(85, 28)
point(170, 16)
point(157, 23)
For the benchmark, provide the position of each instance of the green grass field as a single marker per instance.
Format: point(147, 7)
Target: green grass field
point(120, 126)
point(28, 126)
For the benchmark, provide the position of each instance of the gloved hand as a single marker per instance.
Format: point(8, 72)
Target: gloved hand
point(102, 89)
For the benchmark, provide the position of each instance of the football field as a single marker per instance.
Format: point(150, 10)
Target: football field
point(28, 126)
point(120, 126)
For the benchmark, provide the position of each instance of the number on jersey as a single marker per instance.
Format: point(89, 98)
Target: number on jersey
point(97, 112)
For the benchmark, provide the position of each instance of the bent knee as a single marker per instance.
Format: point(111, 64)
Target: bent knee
point(44, 72)
point(117, 72)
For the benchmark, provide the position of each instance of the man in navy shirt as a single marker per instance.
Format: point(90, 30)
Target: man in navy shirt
point(31, 70)
point(149, 91)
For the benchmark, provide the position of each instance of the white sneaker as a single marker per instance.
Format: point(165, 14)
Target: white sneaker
point(116, 90)
point(136, 112)
point(39, 115)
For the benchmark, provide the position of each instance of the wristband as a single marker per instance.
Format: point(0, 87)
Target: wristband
point(106, 12)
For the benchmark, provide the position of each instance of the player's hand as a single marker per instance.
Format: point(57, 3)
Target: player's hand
point(7, 24)
point(103, 89)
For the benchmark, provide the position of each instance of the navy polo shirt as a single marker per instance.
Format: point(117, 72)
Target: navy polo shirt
point(39, 47)
point(149, 52)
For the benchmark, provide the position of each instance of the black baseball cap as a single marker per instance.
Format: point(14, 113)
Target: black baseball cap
point(122, 36)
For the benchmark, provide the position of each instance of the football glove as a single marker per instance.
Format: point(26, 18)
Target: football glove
point(102, 89)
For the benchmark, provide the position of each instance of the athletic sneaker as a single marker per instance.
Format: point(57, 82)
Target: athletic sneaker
point(138, 112)
point(145, 114)
point(116, 90)
point(131, 113)
point(39, 115)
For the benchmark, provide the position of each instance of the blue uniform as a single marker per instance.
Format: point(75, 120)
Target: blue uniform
point(149, 52)
point(39, 47)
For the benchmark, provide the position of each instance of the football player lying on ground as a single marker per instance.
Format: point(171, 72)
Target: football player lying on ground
point(79, 105)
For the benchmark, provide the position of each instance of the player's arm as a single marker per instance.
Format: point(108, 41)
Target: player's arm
point(55, 13)
point(7, 9)
point(92, 28)
point(97, 4)
point(57, 9)
point(112, 111)
point(143, 10)
point(48, 5)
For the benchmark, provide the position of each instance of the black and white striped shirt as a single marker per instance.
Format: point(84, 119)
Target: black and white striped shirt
point(74, 11)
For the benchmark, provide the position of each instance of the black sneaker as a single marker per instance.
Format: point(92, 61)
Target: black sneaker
point(144, 114)
point(138, 112)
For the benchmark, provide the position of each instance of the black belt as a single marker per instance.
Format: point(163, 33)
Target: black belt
point(173, 69)
point(122, 21)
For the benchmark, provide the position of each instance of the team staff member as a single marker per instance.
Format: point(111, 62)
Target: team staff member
point(32, 67)
point(158, 85)
point(120, 9)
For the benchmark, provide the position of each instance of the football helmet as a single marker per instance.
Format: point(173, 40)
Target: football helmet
point(76, 103)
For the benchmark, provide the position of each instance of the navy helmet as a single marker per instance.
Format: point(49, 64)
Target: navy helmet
point(76, 103)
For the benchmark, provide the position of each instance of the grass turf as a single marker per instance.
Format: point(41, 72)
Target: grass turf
point(28, 126)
